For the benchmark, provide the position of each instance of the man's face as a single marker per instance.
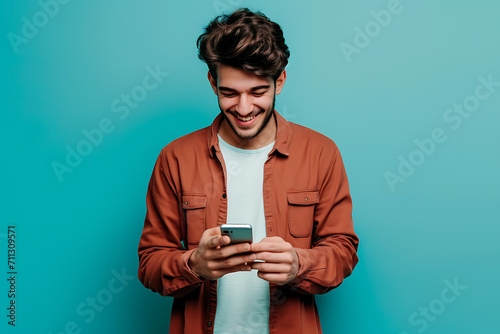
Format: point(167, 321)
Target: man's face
point(247, 104)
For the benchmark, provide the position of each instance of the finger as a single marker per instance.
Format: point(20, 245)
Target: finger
point(217, 241)
point(285, 257)
point(209, 238)
point(271, 246)
point(230, 262)
point(231, 250)
point(278, 278)
point(211, 232)
point(273, 239)
point(271, 267)
point(234, 269)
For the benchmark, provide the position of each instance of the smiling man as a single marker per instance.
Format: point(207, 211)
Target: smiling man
point(249, 166)
point(247, 104)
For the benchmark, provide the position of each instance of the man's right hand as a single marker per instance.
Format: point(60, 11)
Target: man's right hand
point(214, 257)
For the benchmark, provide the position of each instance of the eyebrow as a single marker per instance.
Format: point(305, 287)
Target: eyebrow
point(253, 89)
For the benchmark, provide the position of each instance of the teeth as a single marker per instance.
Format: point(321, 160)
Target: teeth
point(245, 119)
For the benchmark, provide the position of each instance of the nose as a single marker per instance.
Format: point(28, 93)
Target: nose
point(244, 105)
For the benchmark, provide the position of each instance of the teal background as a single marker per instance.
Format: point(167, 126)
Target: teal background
point(440, 224)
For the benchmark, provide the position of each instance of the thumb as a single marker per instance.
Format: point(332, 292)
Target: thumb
point(212, 232)
point(213, 238)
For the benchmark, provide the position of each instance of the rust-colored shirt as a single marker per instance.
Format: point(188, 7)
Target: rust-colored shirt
point(306, 202)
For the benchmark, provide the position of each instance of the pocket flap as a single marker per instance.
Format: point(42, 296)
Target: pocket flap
point(303, 197)
point(190, 202)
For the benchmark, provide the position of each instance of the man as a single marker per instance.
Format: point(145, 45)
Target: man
point(250, 166)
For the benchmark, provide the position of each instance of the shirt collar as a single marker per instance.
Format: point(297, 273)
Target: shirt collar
point(281, 145)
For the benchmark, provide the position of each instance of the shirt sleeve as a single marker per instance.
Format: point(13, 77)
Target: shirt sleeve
point(163, 261)
point(332, 256)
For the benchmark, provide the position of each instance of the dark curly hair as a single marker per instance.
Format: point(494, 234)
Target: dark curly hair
point(244, 40)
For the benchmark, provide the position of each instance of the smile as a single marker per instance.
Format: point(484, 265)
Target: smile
point(245, 119)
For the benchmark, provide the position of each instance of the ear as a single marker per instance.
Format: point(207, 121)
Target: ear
point(280, 82)
point(213, 83)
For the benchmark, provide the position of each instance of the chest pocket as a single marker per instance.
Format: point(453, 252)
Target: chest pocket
point(300, 213)
point(195, 207)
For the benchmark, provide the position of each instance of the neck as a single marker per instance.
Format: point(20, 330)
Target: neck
point(264, 138)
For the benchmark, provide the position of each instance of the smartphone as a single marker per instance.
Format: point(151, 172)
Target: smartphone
point(238, 233)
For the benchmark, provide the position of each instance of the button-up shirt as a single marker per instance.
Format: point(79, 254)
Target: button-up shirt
point(306, 202)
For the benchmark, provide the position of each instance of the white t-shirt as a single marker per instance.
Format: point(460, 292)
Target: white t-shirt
point(242, 297)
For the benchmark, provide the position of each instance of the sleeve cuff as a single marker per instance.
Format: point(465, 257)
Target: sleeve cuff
point(189, 274)
point(303, 265)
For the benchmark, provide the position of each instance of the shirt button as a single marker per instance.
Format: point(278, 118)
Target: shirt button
point(186, 203)
point(224, 195)
point(306, 199)
point(209, 323)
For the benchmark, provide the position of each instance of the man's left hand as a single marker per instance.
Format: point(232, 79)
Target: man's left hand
point(281, 263)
